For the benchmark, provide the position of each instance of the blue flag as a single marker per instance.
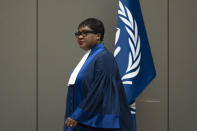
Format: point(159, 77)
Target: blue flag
point(132, 51)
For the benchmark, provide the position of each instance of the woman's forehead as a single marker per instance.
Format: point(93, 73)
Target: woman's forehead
point(85, 27)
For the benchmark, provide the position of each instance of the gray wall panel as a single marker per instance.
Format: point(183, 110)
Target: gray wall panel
point(183, 30)
point(152, 104)
point(59, 52)
point(149, 117)
point(18, 65)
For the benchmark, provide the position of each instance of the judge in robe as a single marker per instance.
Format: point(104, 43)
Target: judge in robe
point(96, 99)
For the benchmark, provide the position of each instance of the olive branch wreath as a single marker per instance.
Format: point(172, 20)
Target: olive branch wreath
point(134, 44)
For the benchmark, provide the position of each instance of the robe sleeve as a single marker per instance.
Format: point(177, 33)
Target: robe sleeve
point(101, 106)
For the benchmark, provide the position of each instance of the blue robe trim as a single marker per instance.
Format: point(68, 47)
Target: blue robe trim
point(96, 120)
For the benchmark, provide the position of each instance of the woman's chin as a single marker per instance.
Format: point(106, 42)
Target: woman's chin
point(82, 47)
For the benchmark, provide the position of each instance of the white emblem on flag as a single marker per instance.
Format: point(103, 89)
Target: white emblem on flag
point(134, 55)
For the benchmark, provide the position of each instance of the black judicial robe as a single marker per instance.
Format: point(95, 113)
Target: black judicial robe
point(97, 100)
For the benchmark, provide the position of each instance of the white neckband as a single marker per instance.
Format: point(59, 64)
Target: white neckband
point(74, 74)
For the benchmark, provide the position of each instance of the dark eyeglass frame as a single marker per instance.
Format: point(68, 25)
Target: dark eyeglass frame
point(84, 33)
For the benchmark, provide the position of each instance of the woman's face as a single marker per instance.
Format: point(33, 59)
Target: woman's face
point(87, 38)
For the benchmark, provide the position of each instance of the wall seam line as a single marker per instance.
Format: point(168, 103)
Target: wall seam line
point(168, 53)
point(36, 65)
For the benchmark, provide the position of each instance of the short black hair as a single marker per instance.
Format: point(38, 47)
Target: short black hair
point(95, 24)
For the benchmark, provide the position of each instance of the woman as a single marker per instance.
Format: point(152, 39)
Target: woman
point(96, 99)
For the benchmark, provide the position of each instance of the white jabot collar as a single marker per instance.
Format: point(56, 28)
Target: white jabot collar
point(74, 74)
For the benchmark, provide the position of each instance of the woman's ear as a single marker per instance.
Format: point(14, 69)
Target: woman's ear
point(98, 36)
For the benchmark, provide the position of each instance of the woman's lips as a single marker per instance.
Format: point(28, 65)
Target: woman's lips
point(81, 42)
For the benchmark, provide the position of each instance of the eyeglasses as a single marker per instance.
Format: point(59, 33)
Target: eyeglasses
point(84, 33)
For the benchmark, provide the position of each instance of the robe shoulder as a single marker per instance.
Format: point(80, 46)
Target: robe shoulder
point(105, 62)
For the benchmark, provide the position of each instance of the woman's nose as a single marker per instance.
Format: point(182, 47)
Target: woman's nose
point(80, 37)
